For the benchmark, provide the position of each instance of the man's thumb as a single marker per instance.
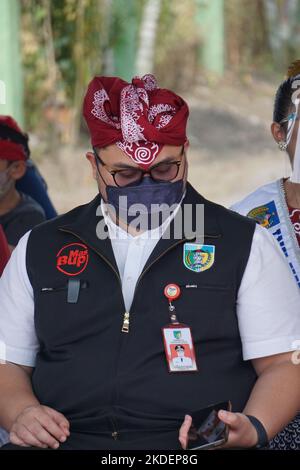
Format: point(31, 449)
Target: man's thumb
point(228, 418)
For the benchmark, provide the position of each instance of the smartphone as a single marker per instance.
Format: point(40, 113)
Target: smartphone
point(207, 430)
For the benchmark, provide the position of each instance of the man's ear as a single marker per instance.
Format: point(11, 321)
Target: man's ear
point(277, 132)
point(186, 145)
point(17, 169)
point(92, 159)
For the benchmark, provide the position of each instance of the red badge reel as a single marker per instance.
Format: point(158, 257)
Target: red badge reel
point(178, 342)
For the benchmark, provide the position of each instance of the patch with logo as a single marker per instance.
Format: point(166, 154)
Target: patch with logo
point(177, 334)
point(72, 259)
point(197, 257)
point(265, 215)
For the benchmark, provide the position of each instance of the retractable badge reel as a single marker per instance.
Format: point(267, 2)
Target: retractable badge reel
point(178, 342)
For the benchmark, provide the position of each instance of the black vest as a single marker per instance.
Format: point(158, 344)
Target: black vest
point(103, 379)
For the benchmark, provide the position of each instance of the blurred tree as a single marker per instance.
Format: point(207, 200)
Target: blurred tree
point(61, 51)
point(147, 37)
point(66, 42)
point(247, 41)
point(10, 62)
point(79, 56)
point(124, 31)
point(177, 44)
point(210, 18)
point(283, 24)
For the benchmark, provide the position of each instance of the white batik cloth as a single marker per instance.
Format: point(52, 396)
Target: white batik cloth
point(268, 206)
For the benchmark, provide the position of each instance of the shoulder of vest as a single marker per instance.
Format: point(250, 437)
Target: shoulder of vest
point(69, 217)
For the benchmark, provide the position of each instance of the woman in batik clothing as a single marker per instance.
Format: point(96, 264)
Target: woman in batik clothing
point(276, 206)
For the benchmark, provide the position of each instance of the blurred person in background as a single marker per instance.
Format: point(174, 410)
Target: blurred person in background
point(276, 205)
point(19, 212)
point(33, 184)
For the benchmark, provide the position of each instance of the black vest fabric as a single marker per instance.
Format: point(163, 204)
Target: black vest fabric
point(104, 380)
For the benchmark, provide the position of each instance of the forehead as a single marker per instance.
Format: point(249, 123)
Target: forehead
point(112, 154)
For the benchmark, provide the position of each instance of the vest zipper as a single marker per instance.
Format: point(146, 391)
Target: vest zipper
point(115, 433)
point(126, 322)
point(126, 316)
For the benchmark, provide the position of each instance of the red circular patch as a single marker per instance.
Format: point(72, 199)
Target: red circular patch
point(72, 259)
point(172, 291)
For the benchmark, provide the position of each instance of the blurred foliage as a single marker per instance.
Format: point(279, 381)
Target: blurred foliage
point(262, 36)
point(66, 42)
point(61, 41)
point(178, 41)
point(247, 44)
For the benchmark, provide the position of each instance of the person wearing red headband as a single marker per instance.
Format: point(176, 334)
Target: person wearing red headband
point(138, 134)
point(18, 211)
point(106, 292)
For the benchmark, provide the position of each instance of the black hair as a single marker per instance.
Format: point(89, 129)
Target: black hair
point(95, 152)
point(283, 104)
point(7, 133)
point(179, 346)
point(283, 100)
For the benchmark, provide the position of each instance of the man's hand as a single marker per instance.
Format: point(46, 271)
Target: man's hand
point(241, 432)
point(39, 426)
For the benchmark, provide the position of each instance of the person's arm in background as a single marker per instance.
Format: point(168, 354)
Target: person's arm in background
point(35, 186)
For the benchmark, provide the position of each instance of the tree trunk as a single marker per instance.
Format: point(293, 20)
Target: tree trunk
point(148, 28)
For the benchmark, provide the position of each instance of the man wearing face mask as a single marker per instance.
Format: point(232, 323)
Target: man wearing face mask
point(106, 292)
point(18, 211)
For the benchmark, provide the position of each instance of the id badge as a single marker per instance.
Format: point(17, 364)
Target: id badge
point(179, 348)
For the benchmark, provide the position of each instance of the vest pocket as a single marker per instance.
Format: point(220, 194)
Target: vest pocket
point(62, 287)
point(208, 308)
point(217, 287)
point(73, 288)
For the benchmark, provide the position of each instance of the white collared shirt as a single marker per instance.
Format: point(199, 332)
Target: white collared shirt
point(132, 252)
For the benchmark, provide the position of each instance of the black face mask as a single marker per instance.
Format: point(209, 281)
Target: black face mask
point(150, 201)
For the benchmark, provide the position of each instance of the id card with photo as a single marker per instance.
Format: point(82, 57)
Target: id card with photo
point(179, 348)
